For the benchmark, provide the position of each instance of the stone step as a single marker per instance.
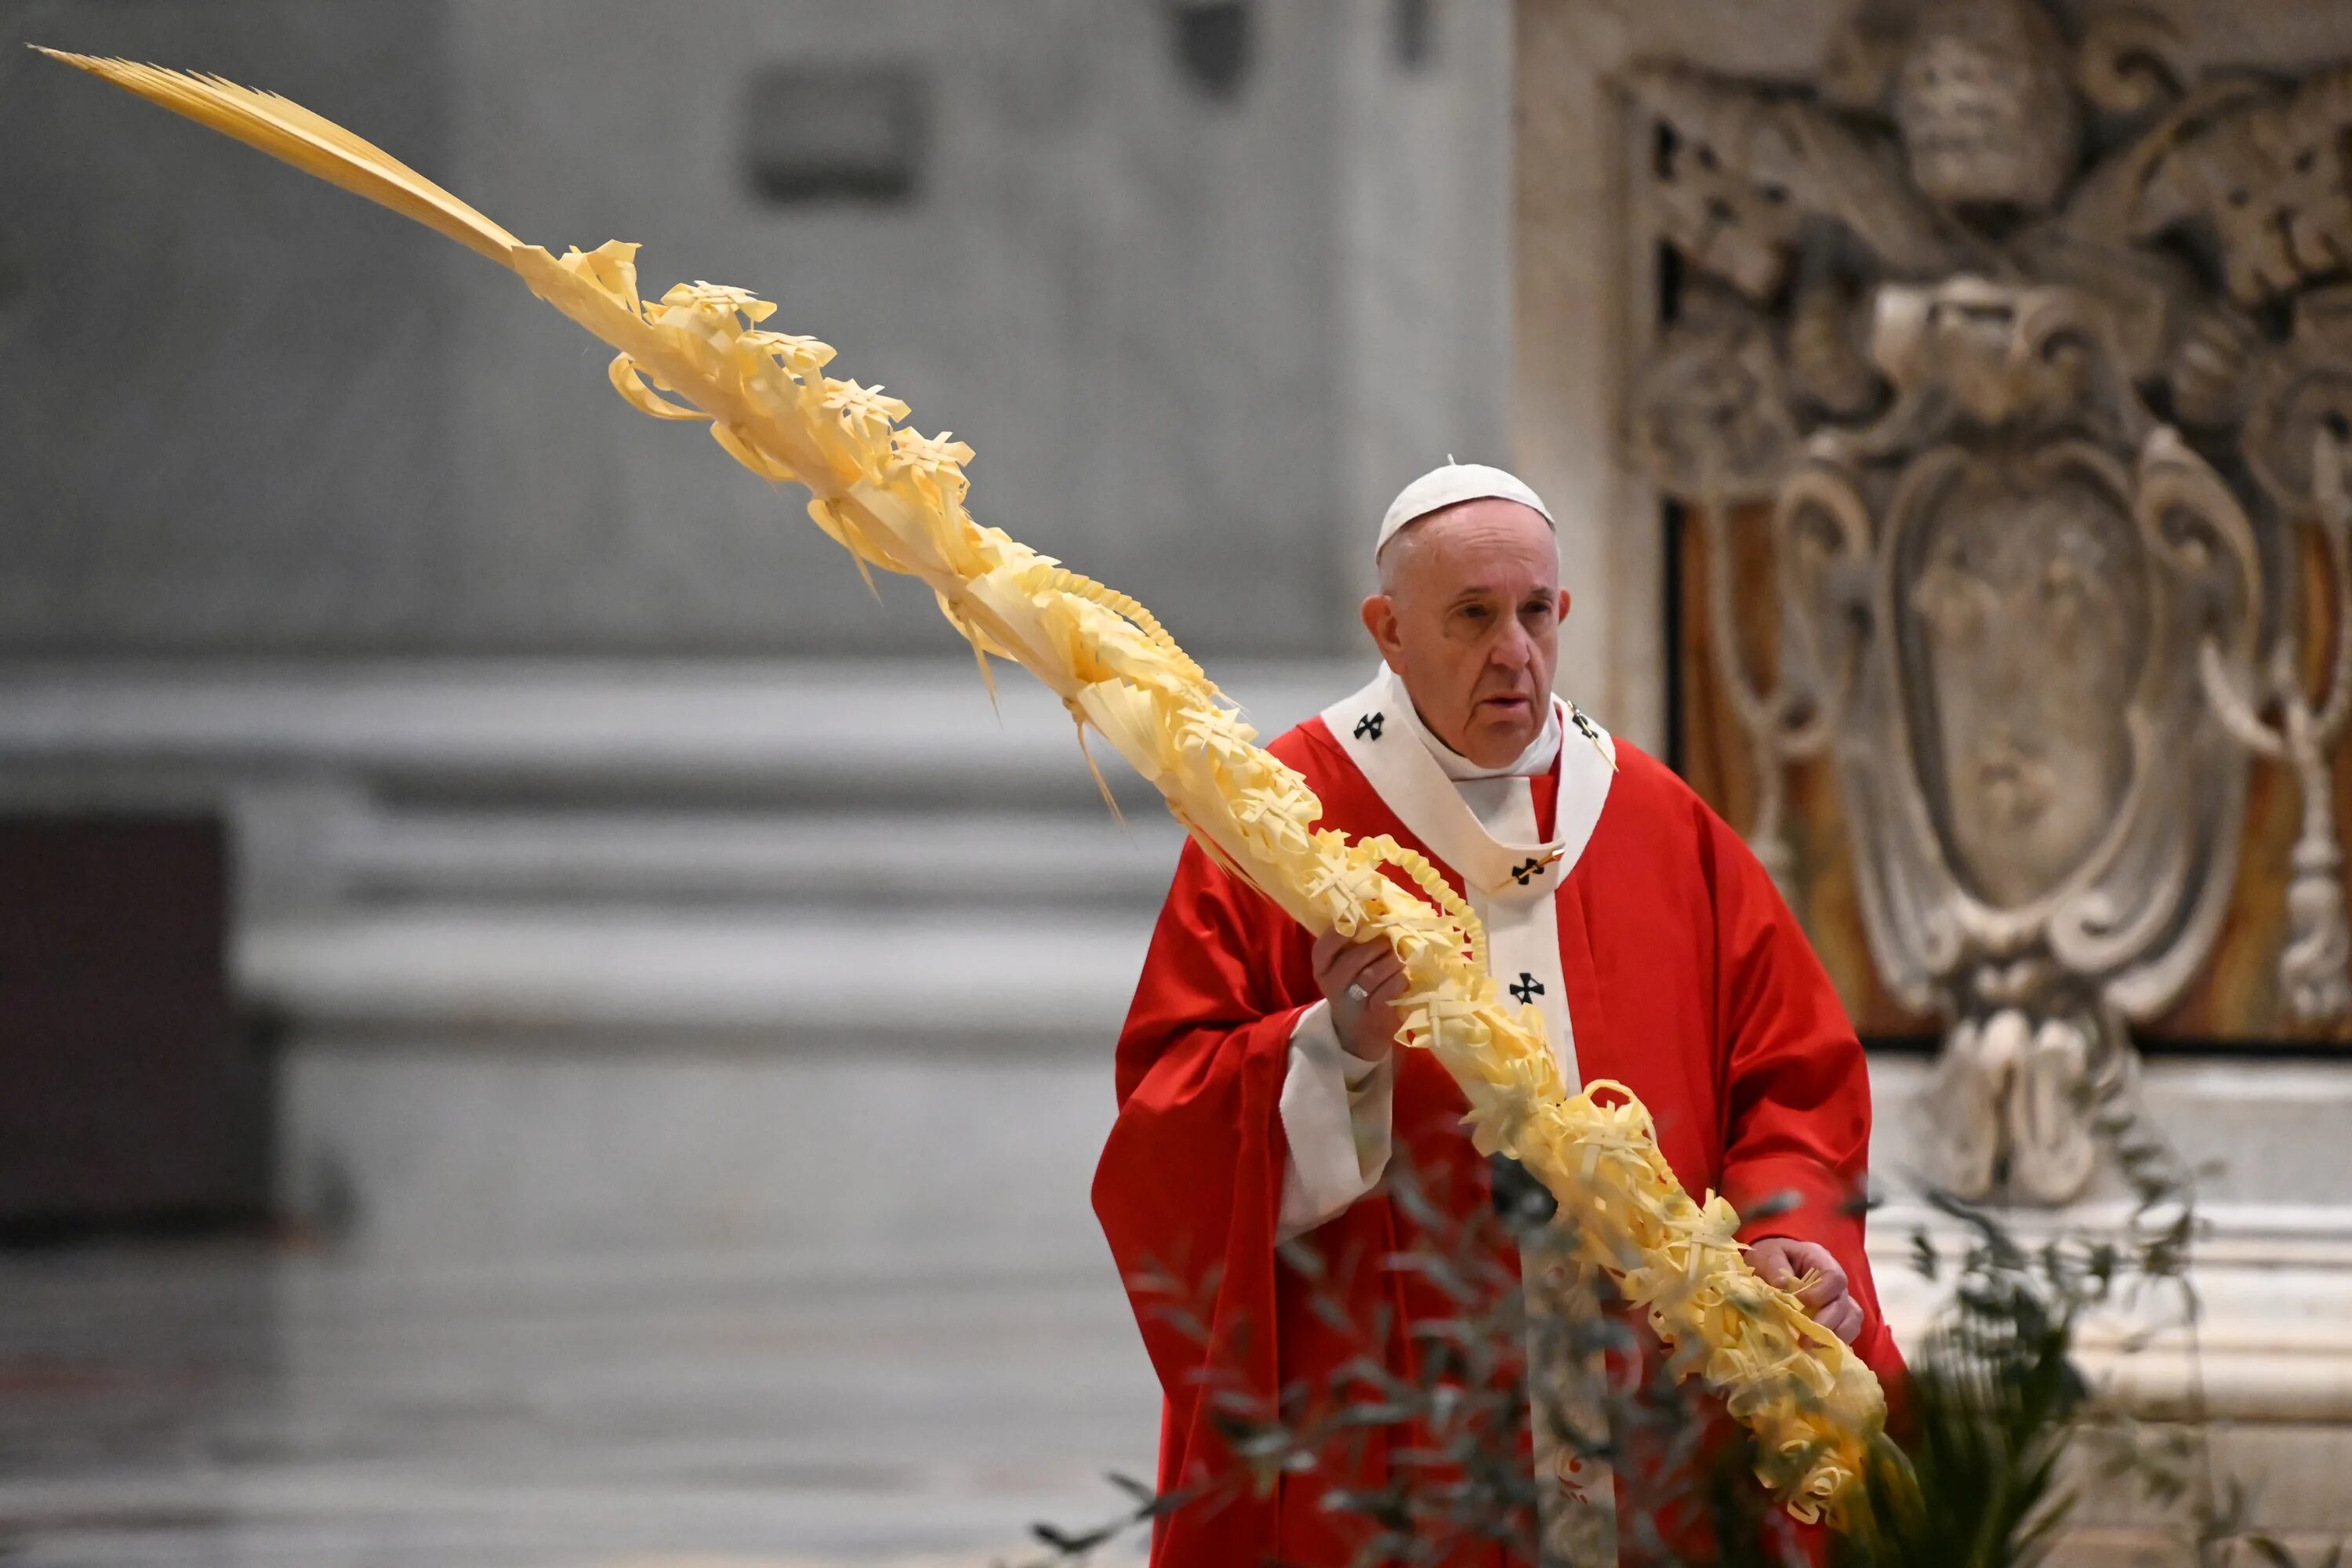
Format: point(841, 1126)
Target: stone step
point(585, 731)
point(786, 978)
point(918, 859)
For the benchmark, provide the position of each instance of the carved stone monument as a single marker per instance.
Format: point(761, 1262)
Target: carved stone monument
point(2030, 343)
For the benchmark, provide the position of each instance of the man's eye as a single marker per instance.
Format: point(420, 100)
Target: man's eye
point(1474, 612)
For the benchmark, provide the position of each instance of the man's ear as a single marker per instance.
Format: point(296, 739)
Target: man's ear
point(1380, 620)
point(1563, 603)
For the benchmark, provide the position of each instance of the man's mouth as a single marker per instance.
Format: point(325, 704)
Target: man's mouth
point(1511, 703)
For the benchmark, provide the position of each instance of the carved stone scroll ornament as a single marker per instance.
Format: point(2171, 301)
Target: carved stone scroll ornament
point(1981, 324)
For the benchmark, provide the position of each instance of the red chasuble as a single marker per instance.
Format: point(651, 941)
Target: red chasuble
point(1686, 979)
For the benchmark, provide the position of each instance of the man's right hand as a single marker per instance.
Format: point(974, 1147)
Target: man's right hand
point(1362, 981)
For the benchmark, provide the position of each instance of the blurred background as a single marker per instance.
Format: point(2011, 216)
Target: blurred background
point(545, 1025)
point(540, 1024)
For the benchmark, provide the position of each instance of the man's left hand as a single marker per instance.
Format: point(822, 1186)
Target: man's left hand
point(1782, 1262)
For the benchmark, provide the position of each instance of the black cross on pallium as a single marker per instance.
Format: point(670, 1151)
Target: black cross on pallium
point(1528, 989)
point(1370, 724)
point(1528, 873)
point(1584, 726)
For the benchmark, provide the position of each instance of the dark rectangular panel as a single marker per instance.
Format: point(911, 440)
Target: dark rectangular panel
point(815, 133)
point(126, 1090)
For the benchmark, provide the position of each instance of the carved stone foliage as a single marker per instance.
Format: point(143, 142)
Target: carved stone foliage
point(2038, 343)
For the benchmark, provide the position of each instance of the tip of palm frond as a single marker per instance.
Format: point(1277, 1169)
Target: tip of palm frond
point(311, 142)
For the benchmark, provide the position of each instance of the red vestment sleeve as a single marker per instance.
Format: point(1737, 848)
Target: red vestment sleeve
point(1189, 1183)
point(1797, 1089)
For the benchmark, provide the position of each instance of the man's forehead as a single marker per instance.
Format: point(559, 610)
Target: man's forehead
point(1488, 532)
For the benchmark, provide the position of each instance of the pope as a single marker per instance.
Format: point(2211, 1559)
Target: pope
point(1267, 1122)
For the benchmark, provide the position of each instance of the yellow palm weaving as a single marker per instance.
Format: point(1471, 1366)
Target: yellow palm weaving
point(895, 499)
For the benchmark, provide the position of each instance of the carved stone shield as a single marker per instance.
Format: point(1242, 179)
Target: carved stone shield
point(2009, 621)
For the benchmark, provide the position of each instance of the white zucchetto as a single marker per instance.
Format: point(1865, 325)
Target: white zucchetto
point(1450, 486)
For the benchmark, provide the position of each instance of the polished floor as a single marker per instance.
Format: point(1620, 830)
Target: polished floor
point(219, 1407)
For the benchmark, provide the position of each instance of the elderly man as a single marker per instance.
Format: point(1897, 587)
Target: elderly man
point(1262, 1100)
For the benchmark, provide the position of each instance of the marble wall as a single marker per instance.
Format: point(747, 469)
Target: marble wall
point(1197, 336)
point(226, 422)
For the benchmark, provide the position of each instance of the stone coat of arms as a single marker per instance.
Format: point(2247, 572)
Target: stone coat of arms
point(2032, 348)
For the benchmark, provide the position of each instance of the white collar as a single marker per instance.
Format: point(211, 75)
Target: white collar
point(1380, 732)
point(1535, 759)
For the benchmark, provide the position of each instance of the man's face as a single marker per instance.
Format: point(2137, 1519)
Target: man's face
point(1468, 615)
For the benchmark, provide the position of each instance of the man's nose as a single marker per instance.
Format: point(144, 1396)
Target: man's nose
point(1515, 650)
